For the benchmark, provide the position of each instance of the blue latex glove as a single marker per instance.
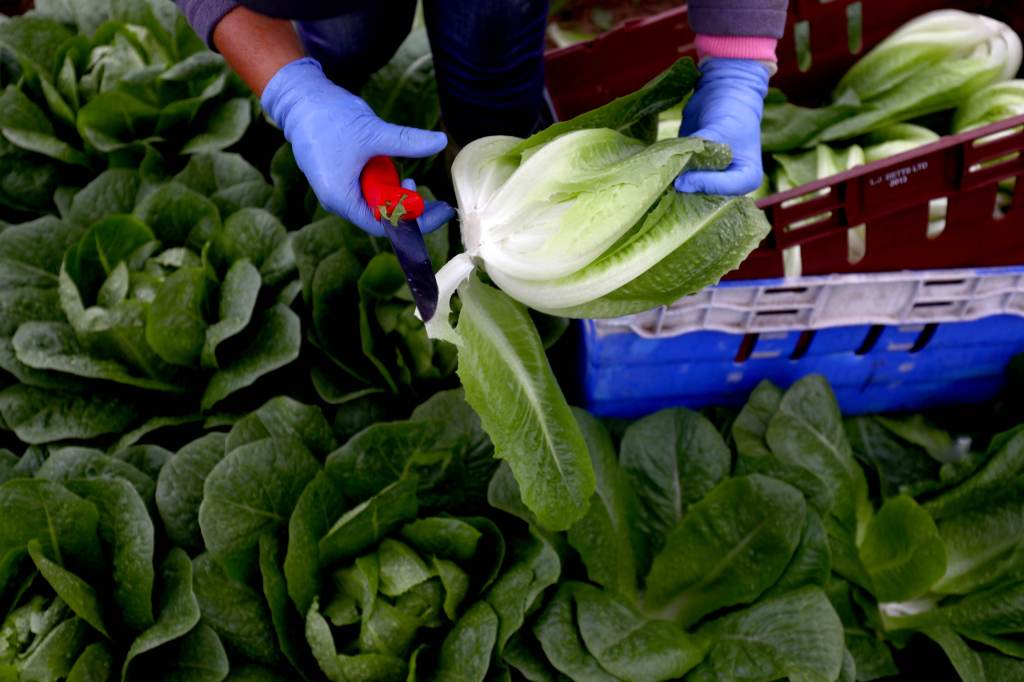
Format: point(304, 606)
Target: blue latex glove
point(726, 107)
point(334, 133)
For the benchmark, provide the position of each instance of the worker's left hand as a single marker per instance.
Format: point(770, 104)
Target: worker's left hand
point(726, 107)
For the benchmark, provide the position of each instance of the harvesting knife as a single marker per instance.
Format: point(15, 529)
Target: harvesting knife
point(398, 208)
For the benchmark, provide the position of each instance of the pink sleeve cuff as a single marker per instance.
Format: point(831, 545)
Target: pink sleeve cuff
point(736, 47)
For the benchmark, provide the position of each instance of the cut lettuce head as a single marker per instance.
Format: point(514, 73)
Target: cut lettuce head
point(932, 63)
point(581, 220)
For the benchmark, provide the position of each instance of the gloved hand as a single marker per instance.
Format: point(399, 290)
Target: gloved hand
point(726, 107)
point(334, 133)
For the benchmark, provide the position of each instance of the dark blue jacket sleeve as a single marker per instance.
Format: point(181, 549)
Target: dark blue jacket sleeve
point(203, 15)
point(738, 17)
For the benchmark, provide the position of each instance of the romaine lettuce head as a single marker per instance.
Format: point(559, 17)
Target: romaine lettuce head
point(581, 220)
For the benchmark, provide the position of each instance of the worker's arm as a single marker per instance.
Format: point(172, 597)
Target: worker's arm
point(256, 46)
point(332, 131)
point(736, 46)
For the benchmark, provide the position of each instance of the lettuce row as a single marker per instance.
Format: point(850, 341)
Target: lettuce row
point(96, 85)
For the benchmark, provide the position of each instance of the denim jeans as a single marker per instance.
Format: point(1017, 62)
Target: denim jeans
point(488, 57)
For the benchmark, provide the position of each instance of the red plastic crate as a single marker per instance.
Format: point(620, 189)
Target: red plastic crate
point(889, 197)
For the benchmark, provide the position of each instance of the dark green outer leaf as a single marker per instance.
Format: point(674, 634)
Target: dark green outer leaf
point(796, 635)
point(664, 92)
point(53, 346)
point(367, 523)
point(176, 326)
point(235, 611)
point(225, 126)
point(74, 591)
point(966, 661)
point(95, 663)
point(126, 528)
point(557, 632)
point(387, 452)
point(179, 488)
point(807, 433)
point(38, 415)
point(113, 191)
point(27, 304)
point(252, 490)
point(178, 610)
point(466, 652)
point(1005, 462)
point(238, 295)
point(983, 544)
point(66, 464)
point(812, 560)
point(897, 463)
point(517, 592)
point(629, 646)
point(729, 549)
point(286, 622)
point(31, 253)
point(446, 537)
point(274, 344)
point(62, 522)
point(509, 382)
point(319, 506)
point(602, 536)
point(283, 417)
point(902, 551)
point(199, 656)
point(670, 460)
point(751, 424)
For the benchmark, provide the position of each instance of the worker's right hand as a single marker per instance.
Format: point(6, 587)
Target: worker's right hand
point(334, 133)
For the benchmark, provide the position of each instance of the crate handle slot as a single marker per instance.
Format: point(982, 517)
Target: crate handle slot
point(803, 343)
point(746, 348)
point(870, 340)
point(924, 337)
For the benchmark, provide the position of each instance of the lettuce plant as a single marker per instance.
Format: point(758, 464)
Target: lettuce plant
point(104, 84)
point(360, 318)
point(147, 299)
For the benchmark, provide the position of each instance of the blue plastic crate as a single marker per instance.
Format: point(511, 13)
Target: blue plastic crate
point(938, 338)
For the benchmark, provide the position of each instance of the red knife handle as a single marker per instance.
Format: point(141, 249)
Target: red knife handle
point(383, 191)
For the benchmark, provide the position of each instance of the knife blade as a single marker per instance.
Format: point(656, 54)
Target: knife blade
point(411, 250)
point(399, 207)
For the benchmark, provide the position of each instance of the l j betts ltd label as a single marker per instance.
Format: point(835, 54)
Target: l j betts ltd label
point(900, 176)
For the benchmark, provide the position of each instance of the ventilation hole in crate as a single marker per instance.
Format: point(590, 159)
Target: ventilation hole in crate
point(992, 163)
point(870, 339)
point(924, 337)
point(856, 243)
point(823, 192)
point(746, 348)
point(944, 283)
point(937, 217)
point(802, 43)
point(854, 27)
point(777, 291)
point(935, 305)
point(802, 344)
point(1004, 198)
point(993, 137)
point(808, 222)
